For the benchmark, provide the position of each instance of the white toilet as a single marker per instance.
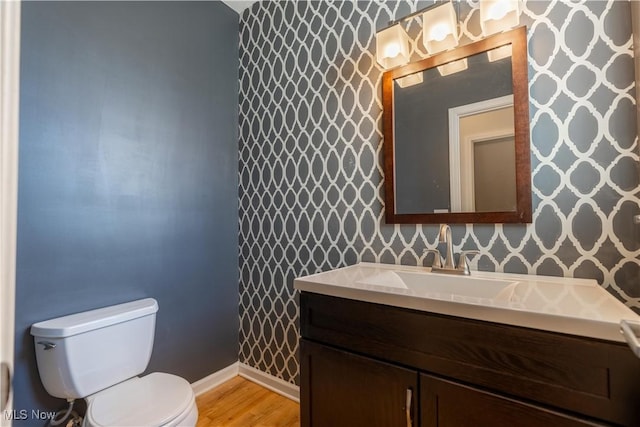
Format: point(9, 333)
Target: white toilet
point(97, 354)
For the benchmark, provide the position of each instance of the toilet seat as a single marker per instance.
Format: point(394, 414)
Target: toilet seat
point(157, 399)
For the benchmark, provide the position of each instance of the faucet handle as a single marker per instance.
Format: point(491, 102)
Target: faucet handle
point(463, 265)
point(437, 258)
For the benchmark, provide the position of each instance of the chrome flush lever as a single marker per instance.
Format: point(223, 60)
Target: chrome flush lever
point(47, 345)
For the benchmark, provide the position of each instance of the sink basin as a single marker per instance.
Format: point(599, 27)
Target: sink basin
point(444, 286)
point(557, 304)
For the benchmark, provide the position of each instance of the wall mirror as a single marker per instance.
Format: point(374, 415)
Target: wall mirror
point(456, 135)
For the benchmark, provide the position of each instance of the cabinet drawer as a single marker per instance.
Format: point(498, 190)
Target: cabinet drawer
point(596, 378)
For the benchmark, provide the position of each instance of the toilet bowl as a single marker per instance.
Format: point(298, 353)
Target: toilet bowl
point(97, 355)
point(154, 400)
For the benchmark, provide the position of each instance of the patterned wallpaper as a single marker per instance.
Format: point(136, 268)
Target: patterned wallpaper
point(311, 168)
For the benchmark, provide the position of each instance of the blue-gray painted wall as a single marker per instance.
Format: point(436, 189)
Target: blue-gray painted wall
point(128, 176)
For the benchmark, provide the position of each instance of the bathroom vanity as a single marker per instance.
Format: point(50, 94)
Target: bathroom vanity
point(387, 345)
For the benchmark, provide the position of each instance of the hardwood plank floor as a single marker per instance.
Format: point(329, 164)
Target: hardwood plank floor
point(242, 403)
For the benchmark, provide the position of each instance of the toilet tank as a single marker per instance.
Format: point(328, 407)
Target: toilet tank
point(83, 353)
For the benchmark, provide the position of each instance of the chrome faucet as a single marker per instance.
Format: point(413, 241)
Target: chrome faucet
point(447, 265)
point(445, 237)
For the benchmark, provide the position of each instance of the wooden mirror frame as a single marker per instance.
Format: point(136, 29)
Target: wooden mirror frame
point(518, 39)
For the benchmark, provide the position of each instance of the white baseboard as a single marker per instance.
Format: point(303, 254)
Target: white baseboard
point(288, 390)
point(268, 381)
point(215, 379)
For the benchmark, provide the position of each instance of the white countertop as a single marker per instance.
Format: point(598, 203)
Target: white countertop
point(559, 304)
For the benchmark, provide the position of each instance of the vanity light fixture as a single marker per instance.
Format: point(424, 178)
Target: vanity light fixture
point(453, 67)
point(497, 16)
point(440, 33)
point(392, 46)
point(499, 53)
point(410, 80)
point(440, 28)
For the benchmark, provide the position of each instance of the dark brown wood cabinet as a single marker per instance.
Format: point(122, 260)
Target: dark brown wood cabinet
point(352, 391)
point(450, 404)
point(359, 359)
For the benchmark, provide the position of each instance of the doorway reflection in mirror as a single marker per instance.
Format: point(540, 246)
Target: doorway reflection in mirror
point(482, 156)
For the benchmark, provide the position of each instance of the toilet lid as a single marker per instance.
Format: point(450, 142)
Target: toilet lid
point(153, 400)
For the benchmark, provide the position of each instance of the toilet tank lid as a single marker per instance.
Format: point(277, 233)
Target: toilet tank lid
point(78, 323)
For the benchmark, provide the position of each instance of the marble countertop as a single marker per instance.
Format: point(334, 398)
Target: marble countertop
point(558, 304)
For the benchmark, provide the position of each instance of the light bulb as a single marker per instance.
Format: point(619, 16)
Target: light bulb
point(391, 50)
point(498, 10)
point(439, 32)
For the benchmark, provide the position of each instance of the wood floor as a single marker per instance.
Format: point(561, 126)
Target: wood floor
point(241, 403)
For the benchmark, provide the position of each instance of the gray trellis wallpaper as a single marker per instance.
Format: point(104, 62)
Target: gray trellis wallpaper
point(310, 156)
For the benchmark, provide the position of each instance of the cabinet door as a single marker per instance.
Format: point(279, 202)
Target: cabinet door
point(448, 404)
point(339, 388)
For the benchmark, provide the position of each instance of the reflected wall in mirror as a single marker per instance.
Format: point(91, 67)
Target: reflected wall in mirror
point(482, 156)
point(456, 135)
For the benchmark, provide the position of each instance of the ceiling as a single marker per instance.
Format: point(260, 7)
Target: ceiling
point(239, 5)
